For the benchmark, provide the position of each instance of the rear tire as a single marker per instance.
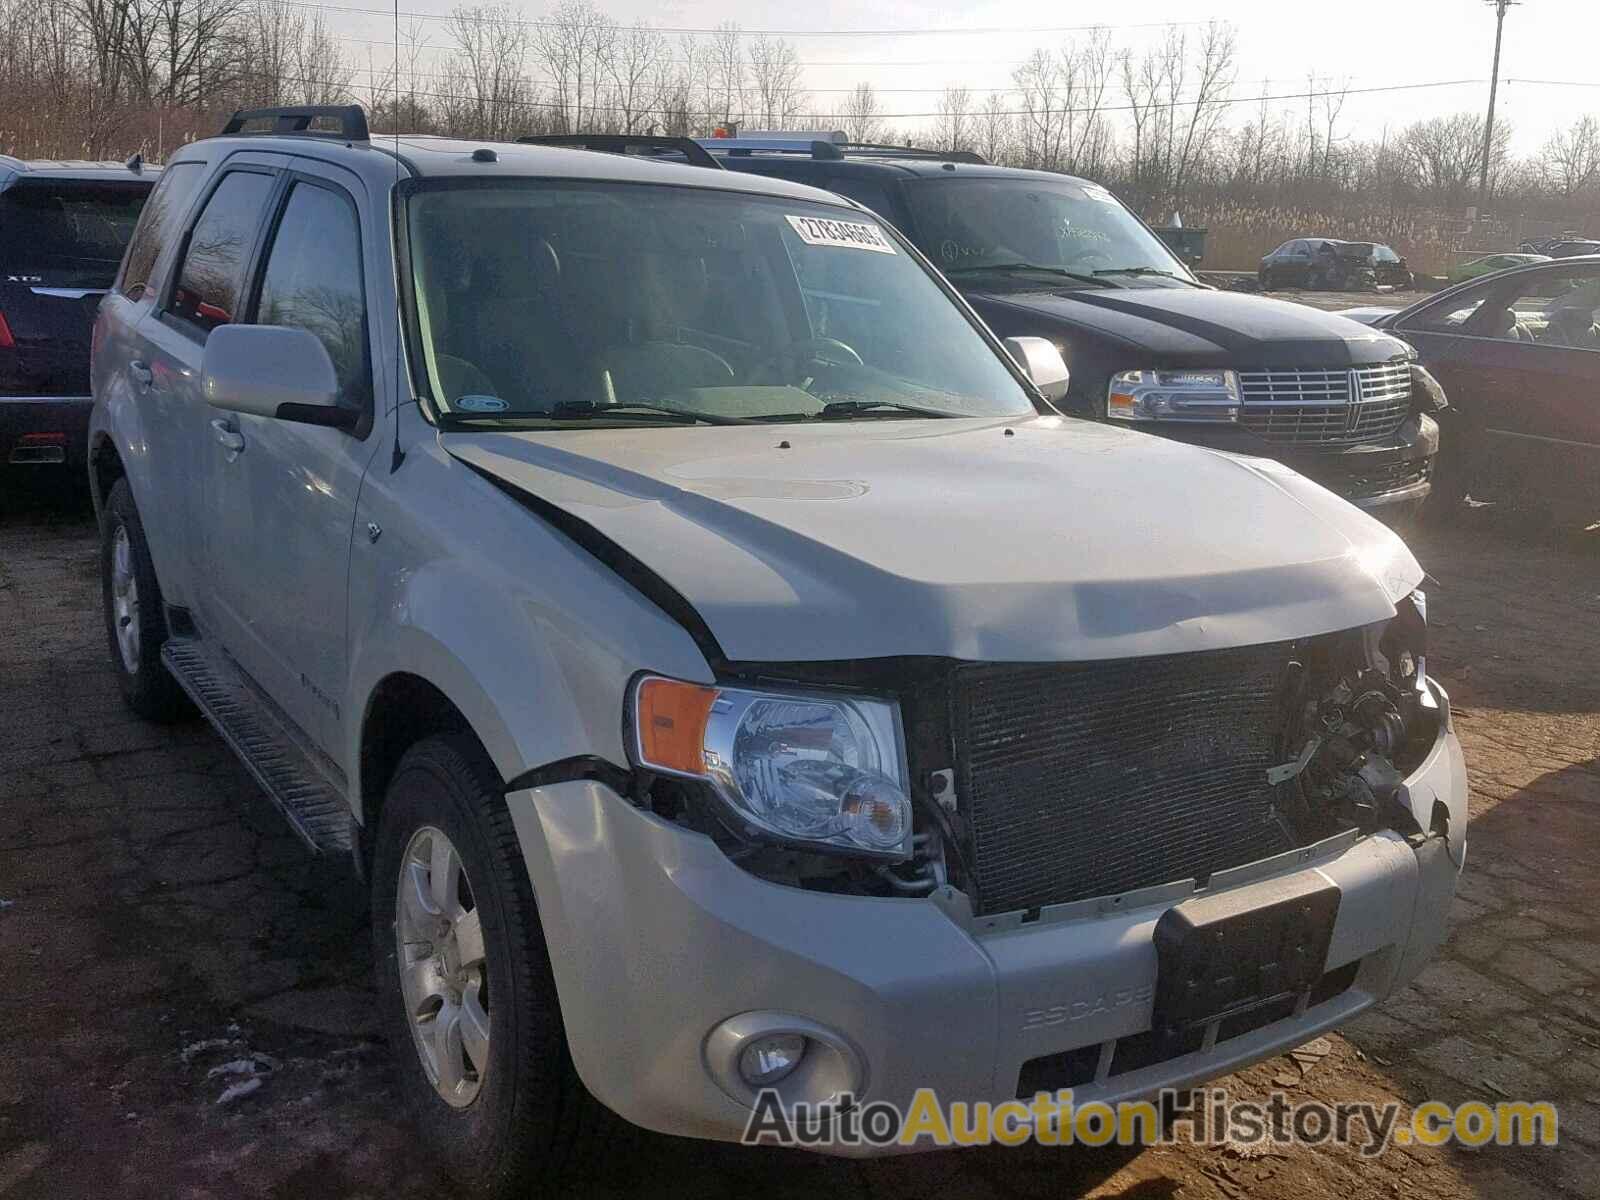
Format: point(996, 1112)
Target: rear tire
point(136, 623)
point(512, 1118)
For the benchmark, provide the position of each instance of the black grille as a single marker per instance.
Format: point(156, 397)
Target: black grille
point(1388, 478)
point(1091, 779)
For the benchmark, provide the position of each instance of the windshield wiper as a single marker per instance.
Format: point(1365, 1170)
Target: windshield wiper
point(1007, 268)
point(1146, 271)
point(836, 409)
point(585, 410)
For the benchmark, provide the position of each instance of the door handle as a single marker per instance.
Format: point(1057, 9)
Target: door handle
point(142, 374)
point(227, 436)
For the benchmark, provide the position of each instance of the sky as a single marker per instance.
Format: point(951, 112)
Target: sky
point(1362, 43)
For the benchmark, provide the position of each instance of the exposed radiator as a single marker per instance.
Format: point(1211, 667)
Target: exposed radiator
point(1091, 779)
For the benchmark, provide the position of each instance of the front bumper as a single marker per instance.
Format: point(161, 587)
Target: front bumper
point(656, 939)
point(44, 430)
point(1390, 478)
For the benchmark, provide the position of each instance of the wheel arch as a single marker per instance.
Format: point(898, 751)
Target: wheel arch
point(402, 710)
point(105, 468)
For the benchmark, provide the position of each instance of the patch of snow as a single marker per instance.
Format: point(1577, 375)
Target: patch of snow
point(239, 1066)
point(243, 1088)
point(189, 1052)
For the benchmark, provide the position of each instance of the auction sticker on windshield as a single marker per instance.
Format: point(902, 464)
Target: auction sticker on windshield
point(848, 235)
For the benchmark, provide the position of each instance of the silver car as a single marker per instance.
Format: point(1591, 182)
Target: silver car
point(731, 674)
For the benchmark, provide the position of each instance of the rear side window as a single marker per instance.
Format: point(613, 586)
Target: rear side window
point(313, 282)
point(871, 192)
point(165, 210)
point(68, 232)
point(207, 292)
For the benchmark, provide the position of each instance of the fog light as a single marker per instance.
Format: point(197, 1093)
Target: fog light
point(770, 1058)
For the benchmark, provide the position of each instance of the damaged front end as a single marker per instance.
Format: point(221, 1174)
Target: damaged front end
point(1358, 718)
point(1031, 786)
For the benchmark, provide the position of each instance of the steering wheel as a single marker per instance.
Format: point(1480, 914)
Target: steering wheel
point(1092, 259)
point(811, 352)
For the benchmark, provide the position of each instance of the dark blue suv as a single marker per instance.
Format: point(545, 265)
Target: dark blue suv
point(63, 229)
point(1049, 255)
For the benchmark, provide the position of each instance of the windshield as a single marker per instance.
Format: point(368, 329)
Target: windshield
point(551, 303)
point(1072, 228)
point(68, 231)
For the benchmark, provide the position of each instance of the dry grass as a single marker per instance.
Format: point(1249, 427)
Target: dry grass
point(1240, 233)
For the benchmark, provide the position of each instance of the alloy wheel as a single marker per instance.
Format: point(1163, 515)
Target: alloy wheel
point(443, 967)
point(125, 600)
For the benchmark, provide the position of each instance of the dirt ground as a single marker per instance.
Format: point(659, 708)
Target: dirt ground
point(164, 940)
point(1334, 301)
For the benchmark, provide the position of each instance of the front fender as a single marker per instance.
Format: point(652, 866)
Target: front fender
point(530, 637)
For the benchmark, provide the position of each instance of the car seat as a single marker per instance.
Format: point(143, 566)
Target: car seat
point(651, 359)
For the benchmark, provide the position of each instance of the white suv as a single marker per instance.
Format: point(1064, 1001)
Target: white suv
point(730, 672)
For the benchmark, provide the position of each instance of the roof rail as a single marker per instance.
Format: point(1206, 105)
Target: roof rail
point(743, 147)
point(619, 143)
point(351, 118)
point(962, 156)
point(740, 147)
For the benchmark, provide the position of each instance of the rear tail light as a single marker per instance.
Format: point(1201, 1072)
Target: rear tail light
point(6, 340)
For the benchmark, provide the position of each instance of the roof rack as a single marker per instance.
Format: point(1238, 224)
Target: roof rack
point(620, 143)
point(877, 148)
point(820, 148)
point(351, 119)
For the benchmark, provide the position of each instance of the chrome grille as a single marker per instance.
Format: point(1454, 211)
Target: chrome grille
point(1319, 406)
point(1091, 779)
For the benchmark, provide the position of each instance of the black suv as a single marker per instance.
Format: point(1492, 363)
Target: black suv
point(63, 229)
point(1050, 255)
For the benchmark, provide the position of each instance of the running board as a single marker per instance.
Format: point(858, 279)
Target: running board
point(285, 770)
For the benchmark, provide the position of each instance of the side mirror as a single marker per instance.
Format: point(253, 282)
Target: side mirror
point(273, 371)
point(1042, 363)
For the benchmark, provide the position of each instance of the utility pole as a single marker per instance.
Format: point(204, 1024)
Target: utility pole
point(1500, 7)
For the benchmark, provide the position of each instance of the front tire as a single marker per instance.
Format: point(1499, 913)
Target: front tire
point(136, 623)
point(464, 979)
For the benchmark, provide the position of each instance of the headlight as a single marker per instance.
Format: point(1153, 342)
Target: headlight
point(1173, 396)
point(804, 768)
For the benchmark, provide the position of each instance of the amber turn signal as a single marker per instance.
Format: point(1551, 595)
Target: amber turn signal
point(671, 719)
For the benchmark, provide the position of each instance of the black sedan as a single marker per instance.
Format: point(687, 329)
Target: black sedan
point(1518, 354)
point(1318, 263)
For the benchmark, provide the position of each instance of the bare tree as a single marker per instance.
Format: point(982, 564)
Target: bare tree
point(775, 81)
point(953, 128)
point(726, 75)
point(1572, 157)
point(488, 90)
point(993, 127)
point(1042, 100)
point(1192, 128)
point(859, 115)
point(1446, 151)
point(575, 44)
point(640, 75)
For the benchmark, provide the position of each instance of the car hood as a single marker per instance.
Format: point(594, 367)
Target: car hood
point(1205, 327)
point(1042, 539)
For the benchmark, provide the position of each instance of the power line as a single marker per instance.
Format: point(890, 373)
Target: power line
point(711, 32)
point(1106, 108)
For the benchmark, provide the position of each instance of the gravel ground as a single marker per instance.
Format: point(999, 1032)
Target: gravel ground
point(1333, 301)
point(187, 1009)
